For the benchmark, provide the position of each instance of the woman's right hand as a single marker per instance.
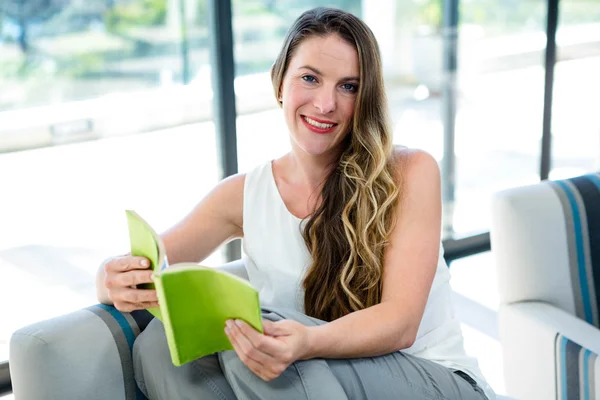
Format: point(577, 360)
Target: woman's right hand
point(121, 275)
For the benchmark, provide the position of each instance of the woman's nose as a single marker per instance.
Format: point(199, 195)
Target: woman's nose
point(325, 100)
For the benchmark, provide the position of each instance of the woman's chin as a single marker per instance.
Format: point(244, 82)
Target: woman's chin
point(315, 146)
point(315, 150)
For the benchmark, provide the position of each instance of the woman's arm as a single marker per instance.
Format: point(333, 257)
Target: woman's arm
point(216, 220)
point(410, 263)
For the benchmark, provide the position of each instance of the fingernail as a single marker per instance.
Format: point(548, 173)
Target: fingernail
point(145, 263)
point(152, 277)
point(228, 323)
point(238, 322)
point(227, 331)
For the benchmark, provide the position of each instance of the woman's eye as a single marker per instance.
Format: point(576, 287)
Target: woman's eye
point(350, 87)
point(309, 78)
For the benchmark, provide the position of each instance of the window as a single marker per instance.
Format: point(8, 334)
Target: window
point(575, 124)
point(104, 106)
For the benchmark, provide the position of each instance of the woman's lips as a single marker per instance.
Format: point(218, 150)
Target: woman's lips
point(318, 129)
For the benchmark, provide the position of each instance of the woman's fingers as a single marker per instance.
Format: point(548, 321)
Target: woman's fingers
point(260, 369)
point(122, 275)
point(126, 263)
point(246, 345)
point(262, 352)
point(127, 299)
point(262, 342)
point(127, 271)
point(148, 304)
point(249, 362)
point(139, 295)
point(132, 278)
point(274, 328)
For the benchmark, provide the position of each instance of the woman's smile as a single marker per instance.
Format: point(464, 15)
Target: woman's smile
point(317, 125)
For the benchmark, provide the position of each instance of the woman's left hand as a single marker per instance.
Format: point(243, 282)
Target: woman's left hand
point(269, 354)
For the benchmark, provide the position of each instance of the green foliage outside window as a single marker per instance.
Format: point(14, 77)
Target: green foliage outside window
point(508, 15)
point(136, 13)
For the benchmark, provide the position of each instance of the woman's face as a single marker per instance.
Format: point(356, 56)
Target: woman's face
point(318, 93)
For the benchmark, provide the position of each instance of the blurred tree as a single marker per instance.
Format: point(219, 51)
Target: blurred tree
point(429, 13)
point(26, 12)
point(123, 14)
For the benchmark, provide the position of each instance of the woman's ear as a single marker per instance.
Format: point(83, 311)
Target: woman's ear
point(279, 97)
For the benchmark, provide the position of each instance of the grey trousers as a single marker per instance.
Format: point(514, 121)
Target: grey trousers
point(223, 376)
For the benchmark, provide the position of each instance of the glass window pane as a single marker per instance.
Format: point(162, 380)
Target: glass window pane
point(575, 124)
point(476, 302)
point(499, 85)
point(101, 70)
point(501, 94)
point(73, 71)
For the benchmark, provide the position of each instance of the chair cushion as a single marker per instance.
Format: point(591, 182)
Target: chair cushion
point(577, 376)
point(580, 202)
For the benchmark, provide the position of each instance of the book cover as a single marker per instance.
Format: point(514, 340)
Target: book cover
point(145, 242)
point(195, 301)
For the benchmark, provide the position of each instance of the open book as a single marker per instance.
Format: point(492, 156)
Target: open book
point(195, 301)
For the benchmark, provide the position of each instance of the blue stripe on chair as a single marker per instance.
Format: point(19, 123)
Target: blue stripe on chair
point(563, 367)
point(589, 193)
point(575, 365)
point(579, 237)
point(127, 330)
point(595, 179)
point(585, 373)
point(124, 337)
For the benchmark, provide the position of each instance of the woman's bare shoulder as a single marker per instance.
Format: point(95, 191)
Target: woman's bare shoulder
point(225, 201)
point(412, 162)
point(233, 183)
point(229, 193)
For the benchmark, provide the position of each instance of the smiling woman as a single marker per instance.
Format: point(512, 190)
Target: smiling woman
point(342, 241)
point(317, 79)
point(319, 100)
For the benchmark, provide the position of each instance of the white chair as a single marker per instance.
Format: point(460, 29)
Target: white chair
point(546, 243)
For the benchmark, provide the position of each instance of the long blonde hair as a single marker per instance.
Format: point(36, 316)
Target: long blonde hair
point(349, 231)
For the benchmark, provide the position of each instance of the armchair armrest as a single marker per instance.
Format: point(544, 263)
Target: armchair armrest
point(544, 348)
point(82, 355)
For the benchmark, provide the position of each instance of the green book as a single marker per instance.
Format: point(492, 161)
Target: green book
point(145, 242)
point(195, 301)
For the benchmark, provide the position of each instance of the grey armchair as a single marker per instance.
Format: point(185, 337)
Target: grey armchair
point(86, 354)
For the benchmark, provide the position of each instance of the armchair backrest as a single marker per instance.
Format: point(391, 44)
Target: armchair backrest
point(546, 241)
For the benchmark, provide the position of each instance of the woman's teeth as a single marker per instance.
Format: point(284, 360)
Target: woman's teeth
point(318, 124)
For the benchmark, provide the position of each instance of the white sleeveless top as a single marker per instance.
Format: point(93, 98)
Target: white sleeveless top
point(276, 260)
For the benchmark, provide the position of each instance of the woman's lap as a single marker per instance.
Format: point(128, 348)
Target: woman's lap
point(393, 376)
point(158, 378)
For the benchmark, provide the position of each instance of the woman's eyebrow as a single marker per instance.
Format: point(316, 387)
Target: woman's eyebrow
point(316, 71)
